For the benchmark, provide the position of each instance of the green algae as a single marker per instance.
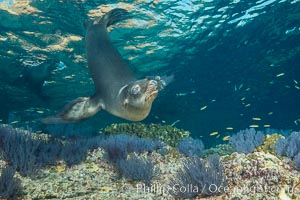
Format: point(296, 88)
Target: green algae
point(268, 145)
point(221, 150)
point(168, 134)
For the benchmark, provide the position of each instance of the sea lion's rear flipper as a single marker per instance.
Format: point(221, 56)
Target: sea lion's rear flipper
point(113, 16)
point(77, 110)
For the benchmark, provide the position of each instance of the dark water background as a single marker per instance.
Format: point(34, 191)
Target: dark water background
point(240, 50)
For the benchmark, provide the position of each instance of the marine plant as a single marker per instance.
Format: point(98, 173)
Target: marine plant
point(48, 151)
point(281, 146)
point(190, 147)
point(20, 149)
point(138, 169)
point(69, 130)
point(198, 177)
point(117, 147)
point(297, 161)
point(245, 141)
point(28, 152)
point(289, 147)
point(139, 145)
point(10, 186)
point(73, 152)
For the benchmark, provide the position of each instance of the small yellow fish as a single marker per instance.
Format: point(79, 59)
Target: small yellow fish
point(242, 99)
point(270, 113)
point(186, 134)
point(214, 133)
point(254, 126)
point(218, 136)
point(173, 124)
point(297, 87)
point(106, 189)
point(226, 138)
point(249, 104)
point(281, 74)
point(241, 86)
point(14, 122)
point(68, 77)
point(295, 81)
point(256, 118)
point(203, 108)
point(40, 111)
point(181, 94)
point(229, 128)
point(267, 125)
point(163, 121)
point(93, 168)
point(297, 121)
point(61, 168)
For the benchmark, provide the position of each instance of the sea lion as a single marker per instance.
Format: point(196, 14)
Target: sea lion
point(116, 89)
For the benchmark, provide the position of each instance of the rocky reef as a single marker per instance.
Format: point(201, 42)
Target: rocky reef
point(261, 175)
point(106, 170)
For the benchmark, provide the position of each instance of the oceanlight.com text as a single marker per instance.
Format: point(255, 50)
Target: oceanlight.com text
point(212, 189)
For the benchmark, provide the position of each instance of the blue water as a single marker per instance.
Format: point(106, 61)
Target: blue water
point(9, 2)
point(233, 62)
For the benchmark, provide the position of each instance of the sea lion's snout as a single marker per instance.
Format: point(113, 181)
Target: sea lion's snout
point(152, 89)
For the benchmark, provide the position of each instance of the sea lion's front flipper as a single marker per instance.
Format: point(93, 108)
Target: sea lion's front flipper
point(77, 110)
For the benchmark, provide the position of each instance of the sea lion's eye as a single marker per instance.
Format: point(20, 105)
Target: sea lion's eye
point(135, 89)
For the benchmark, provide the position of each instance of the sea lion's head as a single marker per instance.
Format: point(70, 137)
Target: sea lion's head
point(137, 98)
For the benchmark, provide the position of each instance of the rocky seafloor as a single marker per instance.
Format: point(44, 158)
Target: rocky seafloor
point(258, 175)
